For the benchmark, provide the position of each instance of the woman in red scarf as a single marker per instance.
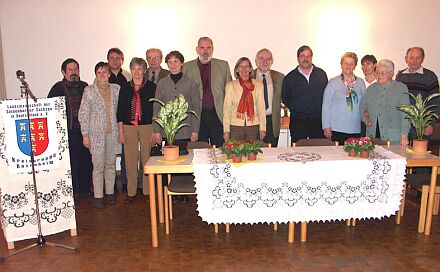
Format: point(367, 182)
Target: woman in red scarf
point(135, 113)
point(244, 113)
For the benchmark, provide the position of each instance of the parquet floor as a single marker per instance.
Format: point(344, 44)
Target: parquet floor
point(118, 239)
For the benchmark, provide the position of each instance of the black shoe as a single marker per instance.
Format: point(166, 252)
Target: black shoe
point(111, 200)
point(99, 204)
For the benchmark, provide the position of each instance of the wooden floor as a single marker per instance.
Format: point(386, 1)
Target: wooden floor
point(118, 239)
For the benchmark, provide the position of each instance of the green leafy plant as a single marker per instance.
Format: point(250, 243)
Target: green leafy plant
point(171, 116)
point(252, 147)
point(420, 114)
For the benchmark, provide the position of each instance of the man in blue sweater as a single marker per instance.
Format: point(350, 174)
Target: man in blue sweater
point(419, 80)
point(302, 92)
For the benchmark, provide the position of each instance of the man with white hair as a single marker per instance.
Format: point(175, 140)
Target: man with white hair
point(272, 83)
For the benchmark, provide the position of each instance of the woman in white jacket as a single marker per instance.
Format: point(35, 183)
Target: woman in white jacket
point(97, 116)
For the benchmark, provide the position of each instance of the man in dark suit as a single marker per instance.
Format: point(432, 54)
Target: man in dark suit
point(154, 71)
point(211, 76)
point(272, 83)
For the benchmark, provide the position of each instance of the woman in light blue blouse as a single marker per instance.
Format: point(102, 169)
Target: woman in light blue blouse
point(340, 108)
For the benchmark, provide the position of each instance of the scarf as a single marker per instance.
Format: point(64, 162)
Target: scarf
point(246, 104)
point(136, 111)
point(350, 95)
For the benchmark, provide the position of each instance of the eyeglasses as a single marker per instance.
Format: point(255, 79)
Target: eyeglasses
point(153, 58)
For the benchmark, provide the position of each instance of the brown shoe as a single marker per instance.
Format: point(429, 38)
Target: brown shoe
point(129, 199)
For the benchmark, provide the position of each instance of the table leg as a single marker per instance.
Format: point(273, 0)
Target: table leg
point(303, 231)
point(167, 219)
point(291, 236)
point(160, 197)
point(432, 186)
point(153, 218)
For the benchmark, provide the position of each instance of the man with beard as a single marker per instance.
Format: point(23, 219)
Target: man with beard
point(211, 76)
point(72, 88)
point(302, 92)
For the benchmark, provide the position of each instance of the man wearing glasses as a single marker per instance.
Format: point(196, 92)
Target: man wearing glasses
point(154, 71)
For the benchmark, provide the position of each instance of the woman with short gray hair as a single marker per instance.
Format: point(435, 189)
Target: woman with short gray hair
point(383, 97)
point(135, 113)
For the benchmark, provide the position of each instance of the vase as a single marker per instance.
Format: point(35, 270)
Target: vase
point(171, 153)
point(420, 146)
point(365, 154)
point(237, 159)
point(252, 156)
point(352, 153)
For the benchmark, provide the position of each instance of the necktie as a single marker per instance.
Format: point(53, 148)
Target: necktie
point(152, 77)
point(266, 100)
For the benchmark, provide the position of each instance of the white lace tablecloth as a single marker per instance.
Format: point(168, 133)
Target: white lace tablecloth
point(300, 184)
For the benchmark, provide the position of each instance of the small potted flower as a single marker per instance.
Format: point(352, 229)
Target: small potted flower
point(285, 119)
point(351, 147)
point(227, 147)
point(365, 146)
point(237, 151)
point(252, 148)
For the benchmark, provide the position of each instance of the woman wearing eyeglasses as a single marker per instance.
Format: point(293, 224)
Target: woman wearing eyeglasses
point(341, 118)
point(244, 111)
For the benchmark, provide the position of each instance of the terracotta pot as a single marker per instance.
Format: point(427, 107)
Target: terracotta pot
point(171, 153)
point(420, 146)
point(285, 121)
point(252, 156)
point(365, 154)
point(229, 157)
point(237, 159)
point(352, 153)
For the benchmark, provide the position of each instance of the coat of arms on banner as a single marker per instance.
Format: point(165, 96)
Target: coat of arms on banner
point(40, 130)
point(35, 134)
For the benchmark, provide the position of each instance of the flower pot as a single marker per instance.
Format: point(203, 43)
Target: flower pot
point(352, 153)
point(171, 153)
point(252, 156)
point(420, 146)
point(229, 157)
point(237, 159)
point(365, 154)
point(285, 121)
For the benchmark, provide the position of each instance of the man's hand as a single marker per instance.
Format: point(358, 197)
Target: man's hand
point(328, 133)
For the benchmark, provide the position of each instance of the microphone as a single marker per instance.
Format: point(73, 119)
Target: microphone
point(20, 74)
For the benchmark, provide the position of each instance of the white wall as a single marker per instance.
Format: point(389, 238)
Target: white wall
point(38, 35)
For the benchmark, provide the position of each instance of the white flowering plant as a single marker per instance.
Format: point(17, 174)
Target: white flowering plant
point(171, 116)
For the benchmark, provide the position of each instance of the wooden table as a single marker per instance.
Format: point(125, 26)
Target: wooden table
point(422, 160)
point(155, 166)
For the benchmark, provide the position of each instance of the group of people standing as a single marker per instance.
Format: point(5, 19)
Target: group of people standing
point(115, 110)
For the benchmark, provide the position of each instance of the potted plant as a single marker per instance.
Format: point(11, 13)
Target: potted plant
point(227, 146)
point(237, 151)
point(252, 148)
point(351, 147)
point(420, 116)
point(285, 119)
point(170, 118)
point(365, 146)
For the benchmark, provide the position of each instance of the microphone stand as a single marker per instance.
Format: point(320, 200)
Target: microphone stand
point(41, 241)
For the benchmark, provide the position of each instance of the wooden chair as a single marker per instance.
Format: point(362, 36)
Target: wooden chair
point(307, 142)
point(179, 184)
point(420, 182)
